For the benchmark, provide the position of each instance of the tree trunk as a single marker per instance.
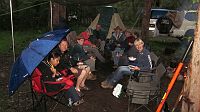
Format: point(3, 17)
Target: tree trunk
point(59, 13)
point(191, 99)
point(146, 19)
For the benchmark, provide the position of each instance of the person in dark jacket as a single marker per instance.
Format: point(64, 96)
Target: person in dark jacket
point(142, 62)
point(80, 54)
point(67, 62)
point(129, 48)
point(99, 36)
point(115, 44)
point(50, 74)
point(89, 47)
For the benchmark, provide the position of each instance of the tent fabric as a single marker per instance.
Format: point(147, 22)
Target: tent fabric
point(108, 19)
point(116, 21)
point(94, 22)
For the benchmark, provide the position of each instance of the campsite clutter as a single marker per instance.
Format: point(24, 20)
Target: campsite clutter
point(103, 41)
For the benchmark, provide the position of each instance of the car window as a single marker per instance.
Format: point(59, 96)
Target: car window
point(155, 14)
point(191, 16)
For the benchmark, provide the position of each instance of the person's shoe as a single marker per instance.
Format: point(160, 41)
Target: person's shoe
point(78, 102)
point(85, 88)
point(104, 82)
point(107, 86)
point(80, 93)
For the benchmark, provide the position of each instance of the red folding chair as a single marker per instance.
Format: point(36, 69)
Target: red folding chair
point(40, 94)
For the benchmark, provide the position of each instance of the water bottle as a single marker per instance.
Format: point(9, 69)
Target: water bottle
point(70, 102)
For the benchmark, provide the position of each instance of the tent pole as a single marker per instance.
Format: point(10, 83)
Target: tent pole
point(51, 9)
point(13, 41)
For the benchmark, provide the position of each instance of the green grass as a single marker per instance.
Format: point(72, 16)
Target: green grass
point(21, 40)
point(159, 44)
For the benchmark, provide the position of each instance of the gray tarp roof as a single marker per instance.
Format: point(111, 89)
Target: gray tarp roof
point(87, 2)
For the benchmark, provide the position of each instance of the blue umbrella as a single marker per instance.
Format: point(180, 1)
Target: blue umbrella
point(32, 56)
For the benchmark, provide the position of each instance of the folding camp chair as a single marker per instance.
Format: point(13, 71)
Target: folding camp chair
point(40, 94)
point(154, 59)
point(71, 38)
point(146, 89)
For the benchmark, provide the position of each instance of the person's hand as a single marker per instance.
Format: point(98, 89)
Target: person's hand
point(54, 71)
point(80, 63)
point(73, 70)
point(134, 68)
point(94, 46)
point(92, 57)
point(118, 45)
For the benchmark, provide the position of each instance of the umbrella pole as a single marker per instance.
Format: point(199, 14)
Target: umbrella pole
point(175, 75)
point(11, 20)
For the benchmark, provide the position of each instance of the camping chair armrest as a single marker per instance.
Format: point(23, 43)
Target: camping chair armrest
point(146, 74)
point(146, 77)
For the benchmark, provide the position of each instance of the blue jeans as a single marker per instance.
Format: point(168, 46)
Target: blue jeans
point(116, 55)
point(118, 74)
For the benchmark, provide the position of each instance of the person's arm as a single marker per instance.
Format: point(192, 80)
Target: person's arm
point(80, 53)
point(145, 62)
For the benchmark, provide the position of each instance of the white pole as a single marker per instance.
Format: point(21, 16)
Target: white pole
point(51, 9)
point(13, 41)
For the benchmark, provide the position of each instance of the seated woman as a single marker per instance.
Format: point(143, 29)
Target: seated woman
point(141, 63)
point(57, 81)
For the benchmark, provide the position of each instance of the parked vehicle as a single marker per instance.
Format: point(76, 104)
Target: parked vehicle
point(155, 15)
point(189, 19)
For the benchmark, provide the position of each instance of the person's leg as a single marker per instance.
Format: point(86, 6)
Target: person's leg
point(118, 74)
point(115, 77)
point(102, 45)
point(114, 56)
point(96, 52)
point(72, 93)
point(85, 75)
point(79, 80)
point(91, 64)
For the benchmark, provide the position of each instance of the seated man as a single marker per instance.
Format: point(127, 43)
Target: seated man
point(67, 62)
point(89, 47)
point(80, 54)
point(129, 48)
point(99, 37)
point(142, 63)
point(57, 81)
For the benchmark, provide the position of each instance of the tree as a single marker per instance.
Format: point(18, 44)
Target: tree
point(146, 19)
point(192, 85)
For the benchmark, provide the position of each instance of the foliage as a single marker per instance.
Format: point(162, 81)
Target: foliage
point(195, 1)
point(22, 39)
point(130, 11)
point(26, 16)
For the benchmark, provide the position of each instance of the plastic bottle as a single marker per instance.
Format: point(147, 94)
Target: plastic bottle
point(70, 102)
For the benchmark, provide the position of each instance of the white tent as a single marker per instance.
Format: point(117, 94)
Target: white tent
point(115, 21)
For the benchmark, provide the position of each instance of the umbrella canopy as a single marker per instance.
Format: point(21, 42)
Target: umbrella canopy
point(32, 56)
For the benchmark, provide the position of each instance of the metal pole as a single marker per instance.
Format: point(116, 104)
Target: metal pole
point(13, 40)
point(51, 12)
point(175, 75)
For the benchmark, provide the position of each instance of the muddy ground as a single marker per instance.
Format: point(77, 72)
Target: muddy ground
point(96, 100)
